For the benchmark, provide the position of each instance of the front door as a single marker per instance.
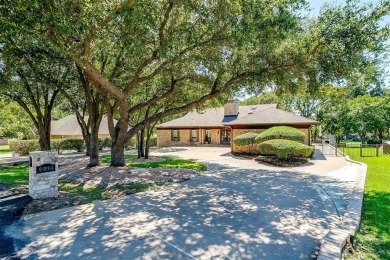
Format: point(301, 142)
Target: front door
point(225, 136)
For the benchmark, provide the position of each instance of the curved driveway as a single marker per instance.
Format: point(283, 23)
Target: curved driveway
point(239, 210)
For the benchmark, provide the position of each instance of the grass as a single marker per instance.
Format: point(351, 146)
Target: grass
point(4, 149)
point(355, 151)
point(373, 239)
point(169, 162)
point(91, 194)
point(18, 176)
point(14, 175)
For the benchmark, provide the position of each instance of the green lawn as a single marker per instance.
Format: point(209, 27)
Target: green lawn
point(355, 151)
point(14, 175)
point(4, 149)
point(169, 162)
point(18, 175)
point(373, 239)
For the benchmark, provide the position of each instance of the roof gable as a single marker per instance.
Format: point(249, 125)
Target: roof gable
point(272, 116)
point(212, 117)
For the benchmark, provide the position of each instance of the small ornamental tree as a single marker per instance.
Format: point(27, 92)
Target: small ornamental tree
point(285, 149)
point(281, 132)
point(247, 139)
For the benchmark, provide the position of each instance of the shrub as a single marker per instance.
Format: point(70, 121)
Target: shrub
point(23, 147)
point(104, 142)
point(245, 139)
point(73, 144)
point(57, 145)
point(285, 149)
point(281, 132)
point(374, 141)
point(131, 144)
point(153, 141)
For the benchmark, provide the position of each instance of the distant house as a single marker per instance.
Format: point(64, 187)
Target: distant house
point(68, 127)
point(221, 125)
point(3, 140)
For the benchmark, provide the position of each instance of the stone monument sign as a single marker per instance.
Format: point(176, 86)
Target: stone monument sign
point(43, 177)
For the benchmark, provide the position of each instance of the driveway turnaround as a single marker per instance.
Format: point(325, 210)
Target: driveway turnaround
point(231, 212)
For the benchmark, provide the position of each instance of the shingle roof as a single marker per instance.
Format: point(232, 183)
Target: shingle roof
point(264, 114)
point(69, 126)
point(272, 116)
point(212, 117)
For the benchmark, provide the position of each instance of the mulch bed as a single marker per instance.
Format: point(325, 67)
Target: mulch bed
point(75, 171)
point(273, 160)
point(113, 182)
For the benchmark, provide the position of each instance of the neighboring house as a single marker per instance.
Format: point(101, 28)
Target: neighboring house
point(221, 125)
point(68, 127)
point(3, 140)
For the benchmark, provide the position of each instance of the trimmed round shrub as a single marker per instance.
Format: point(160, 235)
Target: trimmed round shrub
point(245, 139)
point(281, 132)
point(285, 149)
point(23, 147)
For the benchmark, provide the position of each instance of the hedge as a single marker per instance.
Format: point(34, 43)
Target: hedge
point(281, 132)
point(285, 149)
point(23, 147)
point(104, 142)
point(245, 139)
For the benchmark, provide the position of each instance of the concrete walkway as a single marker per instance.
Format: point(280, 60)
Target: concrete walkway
point(239, 209)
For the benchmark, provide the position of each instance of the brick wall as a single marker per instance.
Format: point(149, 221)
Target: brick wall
point(231, 108)
point(164, 137)
point(215, 136)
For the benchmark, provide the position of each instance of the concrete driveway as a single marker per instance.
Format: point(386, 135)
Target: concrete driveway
point(234, 211)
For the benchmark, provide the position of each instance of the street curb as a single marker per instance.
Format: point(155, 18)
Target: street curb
point(333, 244)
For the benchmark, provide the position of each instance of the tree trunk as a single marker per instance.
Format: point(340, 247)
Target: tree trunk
point(147, 143)
point(87, 140)
point(44, 141)
point(44, 134)
point(118, 154)
point(141, 138)
point(94, 147)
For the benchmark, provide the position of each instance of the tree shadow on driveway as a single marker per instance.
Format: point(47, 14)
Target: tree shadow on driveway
point(231, 213)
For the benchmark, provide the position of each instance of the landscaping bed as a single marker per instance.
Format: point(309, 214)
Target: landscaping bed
point(274, 160)
point(79, 184)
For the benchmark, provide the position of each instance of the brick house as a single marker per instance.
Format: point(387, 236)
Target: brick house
point(221, 125)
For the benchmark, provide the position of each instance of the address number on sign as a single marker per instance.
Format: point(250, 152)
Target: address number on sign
point(46, 168)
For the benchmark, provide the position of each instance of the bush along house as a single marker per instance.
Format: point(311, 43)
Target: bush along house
point(222, 125)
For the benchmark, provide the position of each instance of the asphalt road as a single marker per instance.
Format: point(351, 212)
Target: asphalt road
point(10, 209)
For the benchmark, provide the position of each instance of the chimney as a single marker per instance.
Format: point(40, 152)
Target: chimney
point(231, 108)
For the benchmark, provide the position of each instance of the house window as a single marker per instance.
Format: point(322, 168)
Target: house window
point(194, 135)
point(175, 135)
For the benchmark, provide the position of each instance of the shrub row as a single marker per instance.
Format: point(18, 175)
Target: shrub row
point(68, 145)
point(285, 149)
point(281, 132)
point(245, 139)
point(23, 147)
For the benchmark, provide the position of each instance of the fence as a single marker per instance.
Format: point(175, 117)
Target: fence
point(362, 150)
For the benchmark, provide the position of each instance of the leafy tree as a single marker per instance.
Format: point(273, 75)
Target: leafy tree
point(14, 121)
point(269, 97)
point(21, 83)
point(194, 51)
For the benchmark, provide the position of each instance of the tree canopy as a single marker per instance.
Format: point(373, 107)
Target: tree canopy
point(172, 56)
